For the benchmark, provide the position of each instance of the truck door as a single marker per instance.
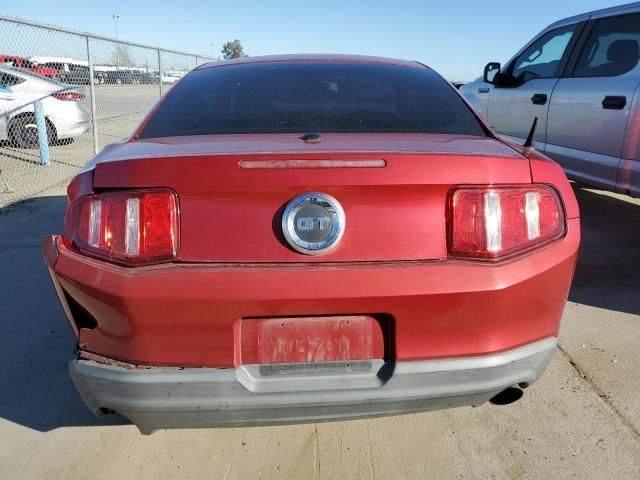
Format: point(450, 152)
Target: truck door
point(526, 85)
point(590, 106)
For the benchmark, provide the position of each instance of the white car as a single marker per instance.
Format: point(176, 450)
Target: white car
point(170, 78)
point(66, 115)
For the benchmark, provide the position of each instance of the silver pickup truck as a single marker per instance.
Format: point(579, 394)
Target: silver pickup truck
point(581, 78)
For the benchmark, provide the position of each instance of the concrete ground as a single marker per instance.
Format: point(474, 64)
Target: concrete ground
point(581, 420)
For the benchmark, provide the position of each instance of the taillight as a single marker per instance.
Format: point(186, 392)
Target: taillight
point(494, 222)
point(136, 227)
point(68, 96)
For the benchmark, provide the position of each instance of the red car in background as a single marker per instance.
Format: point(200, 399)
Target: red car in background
point(304, 238)
point(26, 64)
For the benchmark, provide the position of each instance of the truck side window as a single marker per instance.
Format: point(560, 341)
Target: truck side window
point(612, 49)
point(542, 58)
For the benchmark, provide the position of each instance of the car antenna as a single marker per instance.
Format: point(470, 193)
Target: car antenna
point(531, 139)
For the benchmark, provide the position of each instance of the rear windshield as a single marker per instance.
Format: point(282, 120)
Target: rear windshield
point(301, 97)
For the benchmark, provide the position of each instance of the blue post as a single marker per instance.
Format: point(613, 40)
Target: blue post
point(43, 139)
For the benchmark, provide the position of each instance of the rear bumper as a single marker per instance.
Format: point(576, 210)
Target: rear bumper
point(70, 121)
point(158, 398)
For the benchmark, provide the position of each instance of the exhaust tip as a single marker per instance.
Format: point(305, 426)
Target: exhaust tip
point(507, 396)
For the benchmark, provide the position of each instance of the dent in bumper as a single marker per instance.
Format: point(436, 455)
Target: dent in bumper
point(51, 252)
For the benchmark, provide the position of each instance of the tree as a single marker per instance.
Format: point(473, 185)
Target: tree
point(233, 50)
point(121, 57)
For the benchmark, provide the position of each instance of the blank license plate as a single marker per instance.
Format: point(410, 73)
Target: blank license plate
point(308, 340)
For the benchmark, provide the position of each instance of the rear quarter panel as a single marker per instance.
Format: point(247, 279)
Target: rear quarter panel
point(544, 170)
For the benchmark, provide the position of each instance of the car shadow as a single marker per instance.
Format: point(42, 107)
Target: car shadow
point(36, 343)
point(608, 271)
point(56, 143)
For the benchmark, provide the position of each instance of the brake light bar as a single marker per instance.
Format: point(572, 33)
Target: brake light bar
point(490, 223)
point(134, 228)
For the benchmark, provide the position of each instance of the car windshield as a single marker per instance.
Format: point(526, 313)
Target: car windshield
point(298, 97)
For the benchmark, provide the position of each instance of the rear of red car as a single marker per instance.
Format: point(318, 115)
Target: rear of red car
point(27, 64)
point(305, 238)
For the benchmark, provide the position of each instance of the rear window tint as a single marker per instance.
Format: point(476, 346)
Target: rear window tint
point(299, 97)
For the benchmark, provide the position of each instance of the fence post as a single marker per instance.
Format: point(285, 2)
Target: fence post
point(196, 62)
point(43, 138)
point(160, 71)
point(92, 94)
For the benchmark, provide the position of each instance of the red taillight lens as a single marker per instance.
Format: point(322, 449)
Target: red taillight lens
point(494, 222)
point(68, 96)
point(128, 227)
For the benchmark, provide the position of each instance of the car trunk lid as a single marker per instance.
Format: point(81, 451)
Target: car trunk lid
point(233, 189)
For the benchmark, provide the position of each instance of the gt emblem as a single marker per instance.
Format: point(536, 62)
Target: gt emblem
point(308, 223)
point(313, 223)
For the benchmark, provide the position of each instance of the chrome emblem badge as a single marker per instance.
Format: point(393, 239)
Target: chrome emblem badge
point(313, 223)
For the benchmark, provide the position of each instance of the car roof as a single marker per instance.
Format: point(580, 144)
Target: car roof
point(44, 59)
point(317, 57)
point(612, 10)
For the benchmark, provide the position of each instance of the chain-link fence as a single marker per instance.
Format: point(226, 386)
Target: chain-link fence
point(64, 95)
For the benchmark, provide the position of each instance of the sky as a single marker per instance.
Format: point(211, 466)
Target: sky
point(455, 37)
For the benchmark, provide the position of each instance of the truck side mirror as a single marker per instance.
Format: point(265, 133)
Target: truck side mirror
point(490, 72)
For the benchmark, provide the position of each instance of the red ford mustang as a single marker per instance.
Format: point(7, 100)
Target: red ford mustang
point(304, 238)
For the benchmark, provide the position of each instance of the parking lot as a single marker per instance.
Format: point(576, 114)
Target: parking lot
point(579, 78)
point(581, 420)
point(119, 109)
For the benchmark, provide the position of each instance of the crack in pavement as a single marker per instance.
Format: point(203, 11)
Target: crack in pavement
point(601, 394)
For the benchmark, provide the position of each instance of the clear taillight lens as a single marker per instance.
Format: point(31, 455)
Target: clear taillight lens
point(494, 222)
point(138, 227)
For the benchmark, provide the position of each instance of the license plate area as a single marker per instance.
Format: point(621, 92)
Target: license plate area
point(328, 341)
point(315, 368)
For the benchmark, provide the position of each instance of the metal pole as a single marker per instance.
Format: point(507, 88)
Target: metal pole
point(196, 62)
point(160, 71)
point(92, 94)
point(43, 138)
point(115, 22)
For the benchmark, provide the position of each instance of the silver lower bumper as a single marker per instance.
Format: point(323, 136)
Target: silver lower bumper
point(157, 398)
